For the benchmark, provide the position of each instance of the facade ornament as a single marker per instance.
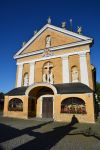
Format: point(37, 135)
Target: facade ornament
point(48, 41)
point(63, 25)
point(79, 30)
point(35, 32)
point(49, 20)
point(71, 25)
point(26, 80)
point(51, 78)
point(48, 75)
point(23, 43)
point(44, 77)
point(47, 52)
point(75, 74)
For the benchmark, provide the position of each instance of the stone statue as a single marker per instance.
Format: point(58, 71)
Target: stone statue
point(44, 77)
point(79, 30)
point(51, 77)
point(23, 43)
point(49, 20)
point(26, 80)
point(64, 25)
point(75, 75)
point(48, 75)
point(35, 32)
point(48, 41)
point(71, 26)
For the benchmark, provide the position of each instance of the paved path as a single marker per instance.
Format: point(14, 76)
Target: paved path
point(20, 134)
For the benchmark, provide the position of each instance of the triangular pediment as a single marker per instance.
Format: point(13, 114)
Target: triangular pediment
point(59, 37)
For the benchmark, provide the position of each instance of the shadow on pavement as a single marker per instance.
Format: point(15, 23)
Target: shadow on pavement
point(42, 140)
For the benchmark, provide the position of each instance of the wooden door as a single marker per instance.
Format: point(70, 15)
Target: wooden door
point(47, 107)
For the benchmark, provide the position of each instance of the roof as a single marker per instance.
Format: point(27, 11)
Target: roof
point(84, 39)
point(66, 88)
point(72, 88)
point(17, 91)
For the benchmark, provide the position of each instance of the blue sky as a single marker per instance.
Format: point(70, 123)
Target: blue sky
point(19, 19)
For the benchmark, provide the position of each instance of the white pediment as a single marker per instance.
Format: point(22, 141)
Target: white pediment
point(83, 40)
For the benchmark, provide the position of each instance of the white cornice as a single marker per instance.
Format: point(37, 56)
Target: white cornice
point(55, 56)
point(75, 35)
point(54, 48)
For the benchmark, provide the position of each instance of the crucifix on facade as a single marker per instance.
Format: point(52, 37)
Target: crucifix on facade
point(48, 75)
point(48, 67)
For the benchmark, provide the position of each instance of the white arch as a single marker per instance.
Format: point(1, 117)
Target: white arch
point(42, 85)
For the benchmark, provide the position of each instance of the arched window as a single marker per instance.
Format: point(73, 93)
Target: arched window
point(15, 104)
point(74, 74)
point(47, 73)
point(73, 105)
point(48, 41)
point(26, 79)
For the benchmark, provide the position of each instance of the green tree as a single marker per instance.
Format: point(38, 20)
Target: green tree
point(98, 90)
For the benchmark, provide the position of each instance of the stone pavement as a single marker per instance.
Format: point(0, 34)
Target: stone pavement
point(35, 134)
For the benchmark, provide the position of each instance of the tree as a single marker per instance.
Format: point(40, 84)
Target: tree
point(1, 100)
point(98, 90)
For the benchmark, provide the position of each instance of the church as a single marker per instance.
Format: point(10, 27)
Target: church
point(54, 77)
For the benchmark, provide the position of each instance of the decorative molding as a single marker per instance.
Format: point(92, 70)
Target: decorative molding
point(41, 84)
point(54, 56)
point(70, 33)
point(54, 48)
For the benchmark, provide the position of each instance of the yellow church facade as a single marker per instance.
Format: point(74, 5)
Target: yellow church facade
point(54, 77)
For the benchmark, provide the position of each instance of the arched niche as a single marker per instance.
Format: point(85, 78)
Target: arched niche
point(74, 74)
point(15, 104)
point(47, 72)
point(48, 41)
point(26, 79)
point(73, 105)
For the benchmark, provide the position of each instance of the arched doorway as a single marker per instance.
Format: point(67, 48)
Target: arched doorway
point(41, 101)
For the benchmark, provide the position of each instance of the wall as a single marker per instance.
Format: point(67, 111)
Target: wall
point(74, 60)
point(57, 70)
point(16, 114)
point(88, 118)
point(57, 38)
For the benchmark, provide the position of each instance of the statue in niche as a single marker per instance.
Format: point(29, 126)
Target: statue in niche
point(48, 75)
point(51, 78)
point(44, 77)
point(75, 74)
point(26, 79)
point(48, 41)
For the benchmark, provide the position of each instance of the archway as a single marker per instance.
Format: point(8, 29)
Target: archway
point(41, 101)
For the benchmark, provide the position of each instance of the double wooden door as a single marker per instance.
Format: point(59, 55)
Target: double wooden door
point(47, 107)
